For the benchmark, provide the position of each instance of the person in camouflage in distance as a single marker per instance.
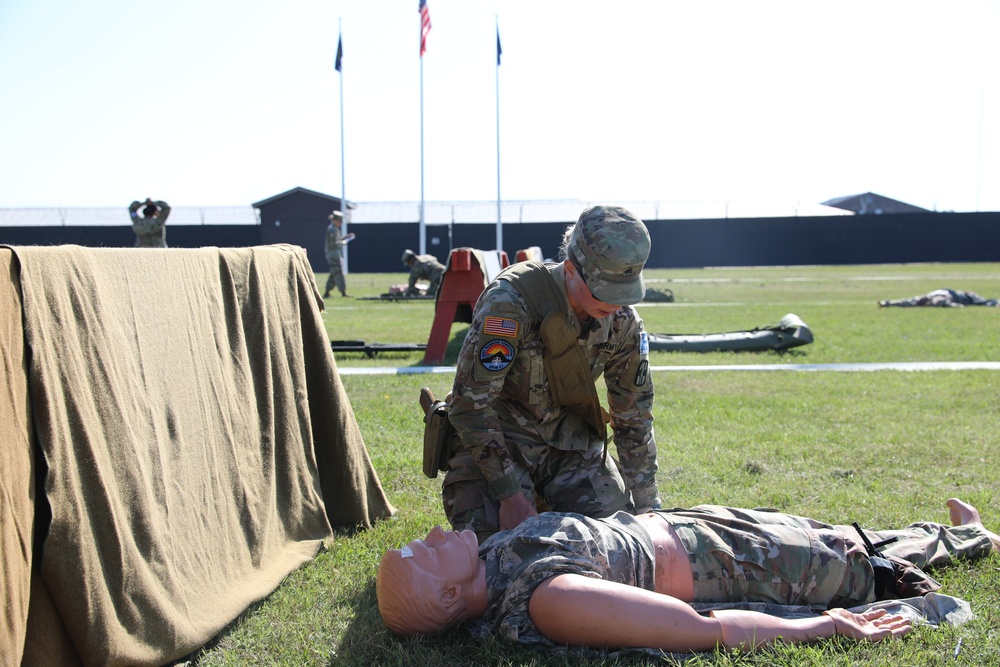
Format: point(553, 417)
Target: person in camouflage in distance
point(944, 298)
point(334, 248)
point(149, 225)
point(516, 450)
point(423, 267)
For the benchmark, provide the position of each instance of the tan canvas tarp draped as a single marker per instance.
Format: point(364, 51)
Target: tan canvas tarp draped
point(16, 480)
point(197, 439)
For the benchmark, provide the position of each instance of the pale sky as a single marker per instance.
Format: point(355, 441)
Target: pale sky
point(225, 102)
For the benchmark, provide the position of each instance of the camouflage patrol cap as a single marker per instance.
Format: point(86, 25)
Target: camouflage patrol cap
point(407, 255)
point(610, 246)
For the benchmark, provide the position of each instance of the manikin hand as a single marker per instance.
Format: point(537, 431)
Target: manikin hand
point(873, 626)
point(514, 510)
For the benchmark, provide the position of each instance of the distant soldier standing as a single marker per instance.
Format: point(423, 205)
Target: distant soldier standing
point(423, 267)
point(149, 225)
point(335, 243)
point(531, 431)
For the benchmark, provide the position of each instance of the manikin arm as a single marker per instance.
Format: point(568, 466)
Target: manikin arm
point(581, 611)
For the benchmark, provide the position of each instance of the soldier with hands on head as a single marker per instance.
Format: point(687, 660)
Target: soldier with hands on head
point(149, 220)
point(530, 431)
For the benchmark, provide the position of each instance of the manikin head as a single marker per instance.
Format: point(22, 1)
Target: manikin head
point(424, 587)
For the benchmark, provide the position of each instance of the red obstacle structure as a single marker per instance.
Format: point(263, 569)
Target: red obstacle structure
point(525, 254)
point(468, 273)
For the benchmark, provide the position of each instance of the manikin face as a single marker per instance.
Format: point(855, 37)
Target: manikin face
point(583, 301)
point(452, 554)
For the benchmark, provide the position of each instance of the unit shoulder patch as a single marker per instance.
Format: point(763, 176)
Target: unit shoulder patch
point(496, 355)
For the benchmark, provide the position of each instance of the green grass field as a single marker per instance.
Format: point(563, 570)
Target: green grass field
point(882, 448)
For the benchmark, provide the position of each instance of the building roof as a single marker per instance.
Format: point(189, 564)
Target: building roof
point(297, 190)
point(869, 203)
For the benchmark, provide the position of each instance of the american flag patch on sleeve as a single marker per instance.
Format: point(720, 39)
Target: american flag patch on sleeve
point(500, 326)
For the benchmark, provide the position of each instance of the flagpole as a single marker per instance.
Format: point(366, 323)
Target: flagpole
point(425, 27)
point(499, 219)
point(423, 228)
point(343, 180)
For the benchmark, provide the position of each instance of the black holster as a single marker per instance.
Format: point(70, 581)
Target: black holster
point(437, 434)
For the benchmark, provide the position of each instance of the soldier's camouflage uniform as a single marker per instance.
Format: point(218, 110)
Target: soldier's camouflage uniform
point(426, 267)
point(334, 249)
point(151, 231)
point(736, 556)
point(945, 298)
point(511, 436)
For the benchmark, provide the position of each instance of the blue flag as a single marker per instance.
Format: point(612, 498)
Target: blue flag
point(340, 53)
point(499, 50)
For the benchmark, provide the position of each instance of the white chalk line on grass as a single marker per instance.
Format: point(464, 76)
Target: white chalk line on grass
point(827, 279)
point(899, 366)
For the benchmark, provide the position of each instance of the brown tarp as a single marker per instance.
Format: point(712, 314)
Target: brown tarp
point(17, 489)
point(198, 443)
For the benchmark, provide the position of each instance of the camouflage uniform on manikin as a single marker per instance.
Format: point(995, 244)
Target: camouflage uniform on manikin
point(334, 249)
point(945, 298)
point(736, 556)
point(425, 267)
point(150, 230)
point(512, 437)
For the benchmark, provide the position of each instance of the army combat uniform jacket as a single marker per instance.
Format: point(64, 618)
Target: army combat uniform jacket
point(149, 232)
point(334, 246)
point(426, 267)
point(501, 392)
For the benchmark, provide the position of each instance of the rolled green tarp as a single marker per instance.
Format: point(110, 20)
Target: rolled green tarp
point(789, 332)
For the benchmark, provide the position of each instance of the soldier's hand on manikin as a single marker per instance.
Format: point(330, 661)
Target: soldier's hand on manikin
point(514, 510)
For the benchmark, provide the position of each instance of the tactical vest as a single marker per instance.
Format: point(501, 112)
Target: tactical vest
point(571, 382)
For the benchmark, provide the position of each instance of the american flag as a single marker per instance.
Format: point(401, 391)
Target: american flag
point(425, 26)
point(500, 326)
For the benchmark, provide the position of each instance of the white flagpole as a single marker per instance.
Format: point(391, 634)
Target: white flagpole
point(499, 219)
point(424, 17)
point(423, 227)
point(343, 180)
